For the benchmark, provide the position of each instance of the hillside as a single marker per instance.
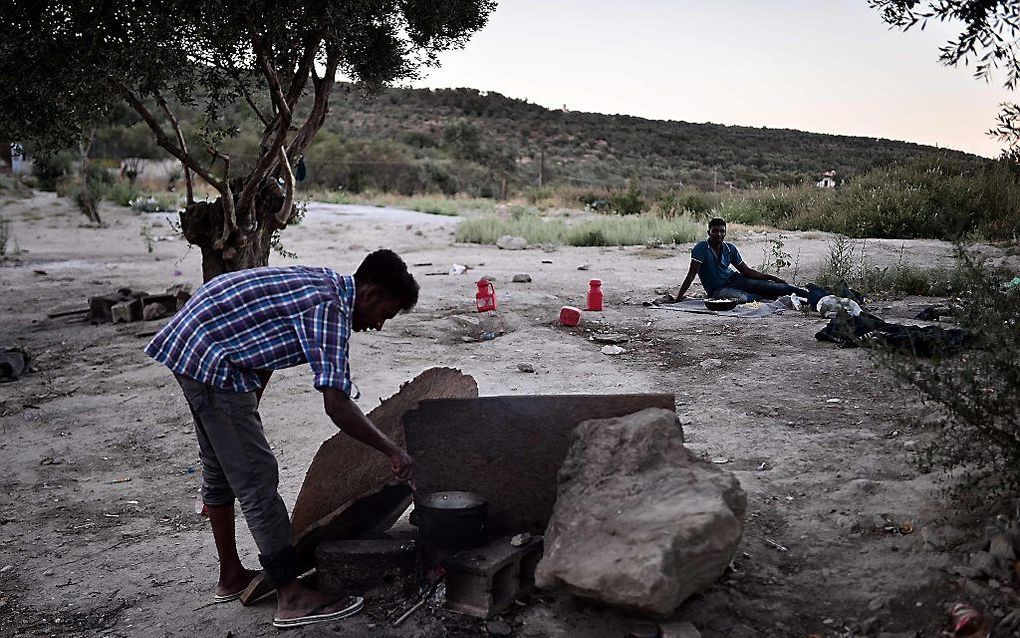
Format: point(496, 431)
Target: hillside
point(463, 140)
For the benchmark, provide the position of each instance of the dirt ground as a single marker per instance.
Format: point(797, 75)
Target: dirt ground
point(99, 532)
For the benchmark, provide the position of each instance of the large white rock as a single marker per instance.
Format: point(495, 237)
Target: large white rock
point(511, 242)
point(639, 523)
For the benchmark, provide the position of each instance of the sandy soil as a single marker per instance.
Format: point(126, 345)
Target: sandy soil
point(98, 452)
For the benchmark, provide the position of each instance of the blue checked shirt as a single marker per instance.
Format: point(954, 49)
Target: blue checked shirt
point(262, 319)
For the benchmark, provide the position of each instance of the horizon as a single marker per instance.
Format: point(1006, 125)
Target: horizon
point(838, 71)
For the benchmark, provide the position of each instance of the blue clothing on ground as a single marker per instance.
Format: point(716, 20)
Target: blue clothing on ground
point(262, 319)
point(714, 271)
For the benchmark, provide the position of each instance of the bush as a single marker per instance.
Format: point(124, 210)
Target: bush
point(49, 169)
point(976, 433)
point(628, 202)
point(123, 192)
point(629, 231)
point(155, 203)
point(11, 186)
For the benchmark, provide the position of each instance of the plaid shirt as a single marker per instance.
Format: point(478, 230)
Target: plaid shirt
point(262, 319)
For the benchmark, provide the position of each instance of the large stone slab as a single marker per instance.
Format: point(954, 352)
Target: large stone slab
point(639, 523)
point(348, 492)
point(508, 449)
point(344, 469)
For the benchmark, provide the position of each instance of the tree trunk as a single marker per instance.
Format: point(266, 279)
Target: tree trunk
point(249, 245)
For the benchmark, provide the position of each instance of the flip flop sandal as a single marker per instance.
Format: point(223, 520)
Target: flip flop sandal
point(227, 598)
point(355, 604)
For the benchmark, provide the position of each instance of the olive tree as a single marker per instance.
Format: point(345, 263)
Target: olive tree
point(65, 65)
point(988, 40)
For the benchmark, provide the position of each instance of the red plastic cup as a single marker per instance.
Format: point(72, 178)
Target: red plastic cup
point(570, 316)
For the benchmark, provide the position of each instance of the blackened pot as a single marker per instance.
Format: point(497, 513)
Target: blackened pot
point(451, 520)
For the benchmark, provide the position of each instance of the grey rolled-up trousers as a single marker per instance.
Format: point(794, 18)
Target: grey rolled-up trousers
point(238, 463)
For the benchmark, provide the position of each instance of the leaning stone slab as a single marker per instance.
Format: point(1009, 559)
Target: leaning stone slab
point(639, 523)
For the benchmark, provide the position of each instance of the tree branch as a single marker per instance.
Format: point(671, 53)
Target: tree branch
point(181, 143)
point(320, 106)
point(162, 139)
point(300, 79)
point(269, 152)
point(283, 215)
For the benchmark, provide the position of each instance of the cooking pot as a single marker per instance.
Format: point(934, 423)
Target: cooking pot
point(450, 520)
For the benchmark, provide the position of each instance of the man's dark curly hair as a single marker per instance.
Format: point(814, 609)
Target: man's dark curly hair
point(387, 270)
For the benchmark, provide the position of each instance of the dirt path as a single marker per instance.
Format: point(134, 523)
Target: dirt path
point(97, 445)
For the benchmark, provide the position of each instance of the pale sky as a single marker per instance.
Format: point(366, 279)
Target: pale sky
point(826, 67)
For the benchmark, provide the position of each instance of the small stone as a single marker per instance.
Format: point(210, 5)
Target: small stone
point(679, 630)
point(878, 603)
point(6, 568)
point(710, 363)
point(522, 278)
point(612, 350)
point(48, 572)
point(584, 267)
point(498, 628)
point(510, 242)
point(525, 367)
point(520, 540)
point(869, 625)
point(1002, 547)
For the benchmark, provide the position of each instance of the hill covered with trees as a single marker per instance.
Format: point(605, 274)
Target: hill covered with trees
point(467, 141)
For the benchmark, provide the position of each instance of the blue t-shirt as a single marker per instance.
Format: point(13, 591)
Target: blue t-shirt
point(715, 270)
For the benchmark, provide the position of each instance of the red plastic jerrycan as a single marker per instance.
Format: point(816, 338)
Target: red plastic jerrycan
point(595, 294)
point(485, 298)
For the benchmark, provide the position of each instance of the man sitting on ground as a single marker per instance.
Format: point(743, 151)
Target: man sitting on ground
point(222, 347)
point(711, 260)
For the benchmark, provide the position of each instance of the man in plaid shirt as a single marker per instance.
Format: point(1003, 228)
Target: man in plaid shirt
point(222, 347)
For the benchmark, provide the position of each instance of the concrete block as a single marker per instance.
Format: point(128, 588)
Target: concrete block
point(374, 568)
point(483, 582)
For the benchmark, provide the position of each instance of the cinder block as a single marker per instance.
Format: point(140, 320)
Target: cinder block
point(374, 568)
point(484, 581)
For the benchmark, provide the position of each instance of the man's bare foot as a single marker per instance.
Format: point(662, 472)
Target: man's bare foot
point(235, 582)
point(295, 600)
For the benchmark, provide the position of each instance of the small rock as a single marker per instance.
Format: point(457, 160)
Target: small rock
point(710, 363)
point(520, 540)
point(612, 350)
point(1001, 547)
point(510, 242)
point(679, 630)
point(878, 603)
point(498, 628)
point(986, 562)
point(869, 625)
point(48, 572)
point(584, 267)
point(547, 261)
point(525, 367)
point(6, 568)
point(522, 278)
point(610, 338)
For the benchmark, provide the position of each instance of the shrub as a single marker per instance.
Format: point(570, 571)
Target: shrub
point(628, 231)
point(49, 169)
point(629, 202)
point(123, 192)
point(976, 432)
point(155, 203)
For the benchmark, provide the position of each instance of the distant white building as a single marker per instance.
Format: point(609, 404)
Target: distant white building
point(828, 180)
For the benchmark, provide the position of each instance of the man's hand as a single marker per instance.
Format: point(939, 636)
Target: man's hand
point(403, 466)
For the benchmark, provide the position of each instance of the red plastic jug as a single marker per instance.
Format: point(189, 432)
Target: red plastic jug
point(595, 294)
point(485, 298)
